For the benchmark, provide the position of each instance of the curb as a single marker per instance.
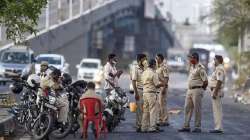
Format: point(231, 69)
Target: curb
point(7, 125)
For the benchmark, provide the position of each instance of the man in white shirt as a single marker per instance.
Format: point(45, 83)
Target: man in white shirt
point(111, 74)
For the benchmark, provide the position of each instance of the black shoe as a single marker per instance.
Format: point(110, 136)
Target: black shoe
point(197, 130)
point(144, 131)
point(158, 124)
point(164, 124)
point(216, 131)
point(159, 130)
point(123, 119)
point(60, 127)
point(184, 130)
point(138, 130)
point(153, 131)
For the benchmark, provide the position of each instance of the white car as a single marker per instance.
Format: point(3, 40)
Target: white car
point(90, 69)
point(55, 60)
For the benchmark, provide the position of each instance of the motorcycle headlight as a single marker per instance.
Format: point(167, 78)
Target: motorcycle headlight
point(52, 100)
point(124, 100)
point(112, 97)
point(113, 92)
point(119, 99)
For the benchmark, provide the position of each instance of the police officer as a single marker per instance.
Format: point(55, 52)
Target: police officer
point(163, 74)
point(44, 69)
point(55, 85)
point(136, 77)
point(216, 85)
point(150, 84)
point(197, 83)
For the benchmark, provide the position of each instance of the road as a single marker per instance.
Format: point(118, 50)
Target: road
point(236, 118)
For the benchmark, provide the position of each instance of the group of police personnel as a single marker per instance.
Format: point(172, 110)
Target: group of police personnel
point(150, 83)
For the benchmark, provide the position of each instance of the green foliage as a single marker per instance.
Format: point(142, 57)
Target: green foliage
point(244, 69)
point(20, 16)
point(233, 17)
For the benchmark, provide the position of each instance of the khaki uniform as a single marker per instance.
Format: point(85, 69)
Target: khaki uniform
point(150, 81)
point(61, 102)
point(193, 101)
point(136, 74)
point(61, 99)
point(218, 75)
point(163, 73)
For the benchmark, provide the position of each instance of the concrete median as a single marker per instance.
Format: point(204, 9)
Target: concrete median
point(7, 124)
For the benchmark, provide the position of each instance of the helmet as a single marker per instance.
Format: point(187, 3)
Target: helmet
point(33, 80)
point(66, 79)
point(16, 88)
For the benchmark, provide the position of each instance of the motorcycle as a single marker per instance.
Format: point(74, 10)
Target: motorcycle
point(115, 107)
point(46, 125)
point(74, 92)
point(26, 111)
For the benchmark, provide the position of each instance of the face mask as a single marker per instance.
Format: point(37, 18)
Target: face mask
point(193, 61)
point(157, 63)
point(145, 63)
point(114, 62)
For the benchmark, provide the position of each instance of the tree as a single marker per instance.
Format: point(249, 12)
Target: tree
point(233, 19)
point(20, 17)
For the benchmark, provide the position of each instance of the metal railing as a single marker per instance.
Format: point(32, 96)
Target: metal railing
point(56, 13)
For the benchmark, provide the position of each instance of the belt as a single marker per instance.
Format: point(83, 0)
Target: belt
point(140, 88)
point(195, 87)
point(213, 88)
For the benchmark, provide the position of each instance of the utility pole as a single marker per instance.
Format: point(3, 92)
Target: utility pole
point(70, 9)
point(47, 17)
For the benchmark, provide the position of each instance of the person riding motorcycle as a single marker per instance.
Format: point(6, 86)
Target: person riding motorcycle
point(54, 83)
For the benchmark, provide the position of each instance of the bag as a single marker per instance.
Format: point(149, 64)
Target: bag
point(132, 107)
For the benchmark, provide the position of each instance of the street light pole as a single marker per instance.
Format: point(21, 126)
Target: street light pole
point(47, 17)
point(59, 9)
point(81, 6)
point(70, 9)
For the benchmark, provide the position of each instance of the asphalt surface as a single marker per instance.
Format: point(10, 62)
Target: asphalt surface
point(236, 118)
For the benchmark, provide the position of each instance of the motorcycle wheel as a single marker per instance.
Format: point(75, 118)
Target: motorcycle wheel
point(56, 134)
point(42, 126)
point(28, 126)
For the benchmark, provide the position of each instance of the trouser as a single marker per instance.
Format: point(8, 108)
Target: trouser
point(139, 109)
point(149, 112)
point(193, 102)
point(217, 112)
point(163, 111)
point(63, 105)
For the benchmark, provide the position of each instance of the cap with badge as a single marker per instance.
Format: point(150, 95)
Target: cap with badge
point(44, 63)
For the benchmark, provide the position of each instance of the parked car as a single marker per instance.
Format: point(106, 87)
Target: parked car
point(90, 69)
point(14, 60)
point(55, 60)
